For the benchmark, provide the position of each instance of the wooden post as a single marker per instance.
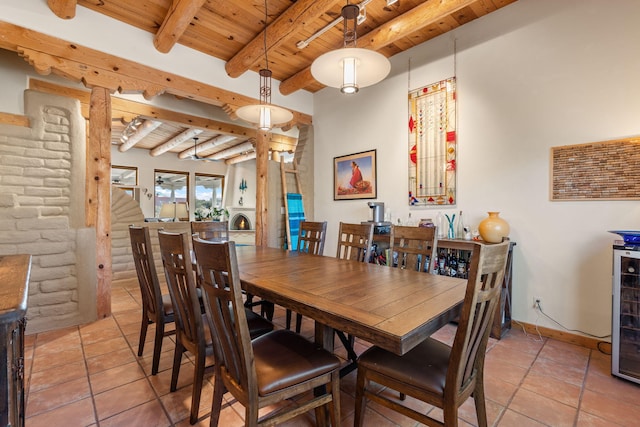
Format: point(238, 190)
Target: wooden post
point(98, 203)
point(262, 189)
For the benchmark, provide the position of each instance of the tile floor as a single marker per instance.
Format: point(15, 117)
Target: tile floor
point(91, 376)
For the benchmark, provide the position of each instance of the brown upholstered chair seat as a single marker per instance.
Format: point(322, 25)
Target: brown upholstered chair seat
point(284, 358)
point(425, 366)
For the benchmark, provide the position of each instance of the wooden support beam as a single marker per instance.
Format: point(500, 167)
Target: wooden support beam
point(262, 188)
point(291, 22)
point(94, 68)
point(419, 17)
point(98, 190)
point(175, 23)
point(15, 120)
point(65, 9)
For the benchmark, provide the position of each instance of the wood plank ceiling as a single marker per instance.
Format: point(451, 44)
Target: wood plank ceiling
point(233, 32)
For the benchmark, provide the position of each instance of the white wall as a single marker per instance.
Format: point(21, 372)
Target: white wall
point(533, 75)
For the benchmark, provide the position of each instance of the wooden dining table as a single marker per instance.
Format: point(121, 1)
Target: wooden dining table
point(389, 307)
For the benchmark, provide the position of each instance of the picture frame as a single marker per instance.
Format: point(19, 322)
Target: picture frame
point(355, 176)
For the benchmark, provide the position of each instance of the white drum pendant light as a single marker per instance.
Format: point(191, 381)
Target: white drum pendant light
point(350, 67)
point(265, 115)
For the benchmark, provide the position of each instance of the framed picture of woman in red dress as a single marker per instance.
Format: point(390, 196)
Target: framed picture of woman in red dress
point(354, 176)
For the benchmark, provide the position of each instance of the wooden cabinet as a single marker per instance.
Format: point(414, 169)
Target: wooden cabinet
point(502, 318)
point(14, 283)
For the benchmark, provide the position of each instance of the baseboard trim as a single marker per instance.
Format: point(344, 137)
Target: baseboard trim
point(581, 340)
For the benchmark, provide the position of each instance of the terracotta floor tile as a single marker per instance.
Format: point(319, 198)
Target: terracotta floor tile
point(558, 370)
point(567, 354)
point(514, 419)
point(516, 340)
point(54, 397)
point(43, 360)
point(78, 414)
point(499, 391)
point(178, 403)
point(115, 377)
point(121, 398)
point(613, 387)
point(588, 420)
point(503, 370)
point(128, 317)
point(511, 356)
point(56, 376)
point(543, 409)
point(150, 414)
point(610, 408)
point(553, 388)
point(528, 382)
point(600, 363)
point(104, 347)
point(110, 360)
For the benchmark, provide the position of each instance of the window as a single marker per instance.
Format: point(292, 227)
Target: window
point(209, 190)
point(126, 176)
point(170, 187)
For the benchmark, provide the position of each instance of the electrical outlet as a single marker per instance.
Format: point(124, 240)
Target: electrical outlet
point(537, 301)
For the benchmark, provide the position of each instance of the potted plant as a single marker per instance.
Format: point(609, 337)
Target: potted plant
point(218, 214)
point(202, 214)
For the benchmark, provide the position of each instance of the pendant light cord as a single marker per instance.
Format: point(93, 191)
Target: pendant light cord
point(266, 57)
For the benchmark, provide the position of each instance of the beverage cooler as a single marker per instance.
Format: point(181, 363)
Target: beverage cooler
point(625, 355)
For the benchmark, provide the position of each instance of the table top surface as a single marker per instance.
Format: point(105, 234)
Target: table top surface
point(392, 308)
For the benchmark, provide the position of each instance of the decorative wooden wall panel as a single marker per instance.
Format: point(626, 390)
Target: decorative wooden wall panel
point(607, 170)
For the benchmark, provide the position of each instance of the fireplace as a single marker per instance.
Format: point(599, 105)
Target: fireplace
point(241, 218)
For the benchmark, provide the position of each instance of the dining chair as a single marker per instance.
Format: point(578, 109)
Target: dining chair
point(193, 332)
point(156, 307)
point(434, 372)
point(310, 241)
point(216, 231)
point(265, 371)
point(354, 241)
point(411, 248)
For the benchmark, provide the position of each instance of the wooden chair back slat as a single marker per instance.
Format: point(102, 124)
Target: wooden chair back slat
point(411, 247)
point(312, 236)
point(354, 242)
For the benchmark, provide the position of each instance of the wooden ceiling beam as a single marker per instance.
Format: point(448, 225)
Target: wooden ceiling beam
point(65, 9)
point(419, 17)
point(127, 108)
point(98, 69)
point(290, 22)
point(178, 18)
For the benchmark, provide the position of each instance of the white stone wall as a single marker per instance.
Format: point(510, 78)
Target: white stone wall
point(42, 210)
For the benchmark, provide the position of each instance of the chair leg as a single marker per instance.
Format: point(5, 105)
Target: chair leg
point(335, 402)
point(288, 319)
point(177, 359)
point(198, 378)
point(450, 413)
point(361, 400)
point(251, 415)
point(298, 322)
point(157, 347)
point(481, 408)
point(267, 309)
point(143, 332)
point(218, 392)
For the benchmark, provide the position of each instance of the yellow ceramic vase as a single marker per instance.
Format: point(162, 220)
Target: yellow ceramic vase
point(493, 229)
